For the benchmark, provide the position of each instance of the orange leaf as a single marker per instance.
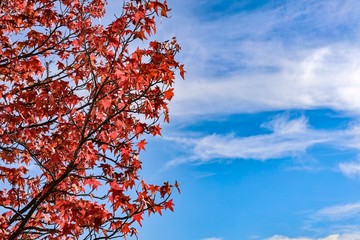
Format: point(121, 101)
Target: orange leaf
point(182, 72)
point(168, 94)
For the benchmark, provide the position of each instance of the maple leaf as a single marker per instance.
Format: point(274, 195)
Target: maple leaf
point(182, 72)
point(138, 16)
point(125, 151)
point(169, 205)
point(141, 145)
point(113, 135)
point(138, 217)
point(76, 43)
point(125, 228)
point(138, 129)
point(93, 183)
point(156, 130)
point(60, 65)
point(153, 188)
point(106, 103)
point(168, 94)
point(157, 209)
point(177, 186)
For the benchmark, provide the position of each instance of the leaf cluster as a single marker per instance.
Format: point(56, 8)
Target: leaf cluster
point(77, 98)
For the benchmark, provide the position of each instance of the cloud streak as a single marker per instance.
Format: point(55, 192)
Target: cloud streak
point(287, 138)
point(212, 238)
point(338, 212)
point(350, 169)
point(346, 236)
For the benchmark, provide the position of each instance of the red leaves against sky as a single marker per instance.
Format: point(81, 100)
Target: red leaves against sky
point(75, 98)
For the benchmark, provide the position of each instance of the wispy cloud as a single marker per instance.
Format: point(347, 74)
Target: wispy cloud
point(212, 238)
point(346, 236)
point(280, 237)
point(288, 138)
point(350, 169)
point(338, 212)
point(338, 219)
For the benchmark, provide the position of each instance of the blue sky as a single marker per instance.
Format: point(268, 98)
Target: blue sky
point(265, 131)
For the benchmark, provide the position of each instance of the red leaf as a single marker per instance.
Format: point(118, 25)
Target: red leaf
point(93, 183)
point(158, 209)
point(113, 135)
point(141, 145)
point(153, 189)
point(138, 16)
point(156, 130)
point(138, 129)
point(168, 94)
point(106, 103)
point(182, 72)
point(169, 205)
point(76, 43)
point(60, 65)
point(138, 217)
point(177, 186)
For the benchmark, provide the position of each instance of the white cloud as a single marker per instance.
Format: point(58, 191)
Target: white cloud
point(338, 212)
point(212, 238)
point(273, 59)
point(280, 237)
point(339, 220)
point(288, 138)
point(315, 81)
point(345, 236)
point(350, 169)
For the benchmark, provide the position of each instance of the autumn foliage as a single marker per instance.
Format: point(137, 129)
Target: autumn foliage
point(77, 98)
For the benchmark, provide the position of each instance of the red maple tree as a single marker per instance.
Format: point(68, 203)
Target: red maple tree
point(76, 97)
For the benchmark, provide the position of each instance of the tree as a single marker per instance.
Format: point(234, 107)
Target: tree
point(77, 99)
